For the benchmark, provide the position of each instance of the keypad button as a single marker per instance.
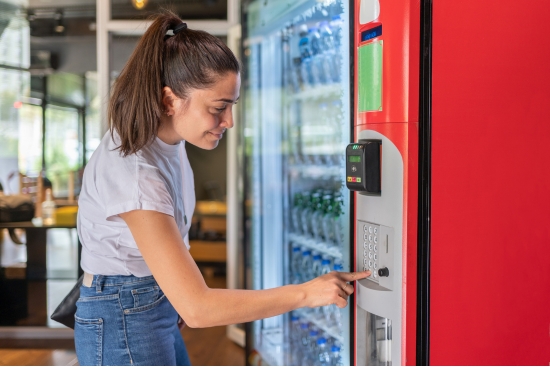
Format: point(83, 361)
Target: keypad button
point(366, 227)
point(375, 274)
point(375, 248)
point(375, 230)
point(365, 262)
point(370, 246)
point(375, 266)
point(366, 237)
point(370, 237)
point(365, 268)
point(370, 255)
point(370, 264)
point(375, 257)
point(365, 253)
point(370, 229)
point(375, 239)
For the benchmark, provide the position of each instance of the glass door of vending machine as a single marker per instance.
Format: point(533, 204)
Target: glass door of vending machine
point(296, 125)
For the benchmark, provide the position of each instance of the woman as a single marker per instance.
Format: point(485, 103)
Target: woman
point(137, 200)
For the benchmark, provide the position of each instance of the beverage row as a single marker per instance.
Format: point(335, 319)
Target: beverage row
point(318, 214)
point(310, 346)
point(305, 265)
point(319, 60)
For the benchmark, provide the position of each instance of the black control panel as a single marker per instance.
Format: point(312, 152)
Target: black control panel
point(364, 167)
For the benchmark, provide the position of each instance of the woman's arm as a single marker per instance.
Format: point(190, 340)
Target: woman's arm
point(162, 247)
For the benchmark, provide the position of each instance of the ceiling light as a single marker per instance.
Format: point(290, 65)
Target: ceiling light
point(139, 4)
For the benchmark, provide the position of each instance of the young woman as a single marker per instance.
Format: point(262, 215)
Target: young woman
point(136, 204)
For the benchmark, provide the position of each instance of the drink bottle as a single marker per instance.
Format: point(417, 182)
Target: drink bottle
point(316, 271)
point(336, 313)
point(328, 228)
point(323, 356)
point(325, 269)
point(295, 212)
point(305, 56)
point(295, 264)
point(306, 265)
point(316, 217)
point(337, 211)
point(328, 56)
point(305, 212)
point(311, 345)
point(295, 341)
point(335, 356)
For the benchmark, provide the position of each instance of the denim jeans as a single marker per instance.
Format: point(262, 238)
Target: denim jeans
point(126, 320)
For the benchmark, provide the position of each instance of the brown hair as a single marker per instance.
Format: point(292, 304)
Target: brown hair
point(187, 60)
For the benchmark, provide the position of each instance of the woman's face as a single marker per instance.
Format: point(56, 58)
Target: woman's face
point(202, 118)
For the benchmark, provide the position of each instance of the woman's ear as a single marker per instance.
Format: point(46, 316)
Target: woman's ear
point(168, 101)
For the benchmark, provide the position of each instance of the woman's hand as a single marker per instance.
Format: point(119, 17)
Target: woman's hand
point(331, 288)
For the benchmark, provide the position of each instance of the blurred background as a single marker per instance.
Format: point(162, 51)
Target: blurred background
point(57, 60)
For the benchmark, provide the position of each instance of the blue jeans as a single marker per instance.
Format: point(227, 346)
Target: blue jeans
point(126, 320)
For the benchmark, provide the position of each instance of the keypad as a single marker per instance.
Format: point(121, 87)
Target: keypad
point(370, 245)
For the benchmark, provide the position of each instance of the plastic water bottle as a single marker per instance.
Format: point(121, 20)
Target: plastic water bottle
point(303, 343)
point(323, 356)
point(310, 353)
point(295, 342)
point(295, 264)
point(317, 217)
point(336, 313)
point(316, 266)
point(325, 269)
point(305, 56)
point(305, 212)
point(296, 211)
point(335, 356)
point(306, 266)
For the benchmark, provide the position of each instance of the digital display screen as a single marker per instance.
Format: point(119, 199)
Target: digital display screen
point(355, 158)
point(371, 33)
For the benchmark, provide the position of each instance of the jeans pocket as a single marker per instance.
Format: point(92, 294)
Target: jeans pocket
point(89, 350)
point(145, 296)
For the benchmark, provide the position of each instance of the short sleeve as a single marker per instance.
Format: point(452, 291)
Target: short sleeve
point(130, 183)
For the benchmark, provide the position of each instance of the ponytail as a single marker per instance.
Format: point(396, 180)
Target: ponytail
point(187, 60)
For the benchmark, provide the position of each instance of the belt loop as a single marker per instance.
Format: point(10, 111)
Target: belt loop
point(99, 283)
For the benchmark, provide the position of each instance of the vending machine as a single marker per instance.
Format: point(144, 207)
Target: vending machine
point(295, 128)
point(382, 170)
point(451, 197)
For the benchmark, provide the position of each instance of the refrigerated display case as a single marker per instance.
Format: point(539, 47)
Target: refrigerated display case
point(296, 126)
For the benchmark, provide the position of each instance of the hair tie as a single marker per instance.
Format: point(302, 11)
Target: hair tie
point(179, 28)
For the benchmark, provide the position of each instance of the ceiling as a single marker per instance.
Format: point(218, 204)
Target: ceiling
point(58, 18)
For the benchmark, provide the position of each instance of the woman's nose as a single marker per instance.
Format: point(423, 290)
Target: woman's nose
point(227, 121)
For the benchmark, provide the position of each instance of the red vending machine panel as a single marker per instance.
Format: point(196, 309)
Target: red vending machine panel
point(386, 49)
point(490, 213)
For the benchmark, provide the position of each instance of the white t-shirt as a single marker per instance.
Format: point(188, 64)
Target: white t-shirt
point(158, 177)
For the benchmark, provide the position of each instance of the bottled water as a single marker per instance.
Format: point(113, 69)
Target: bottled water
point(323, 356)
point(316, 217)
point(296, 211)
point(336, 313)
point(325, 269)
point(295, 264)
point(295, 342)
point(316, 271)
point(305, 212)
point(327, 60)
point(316, 264)
point(303, 343)
point(306, 266)
point(310, 347)
point(335, 356)
point(328, 228)
point(337, 211)
point(305, 55)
